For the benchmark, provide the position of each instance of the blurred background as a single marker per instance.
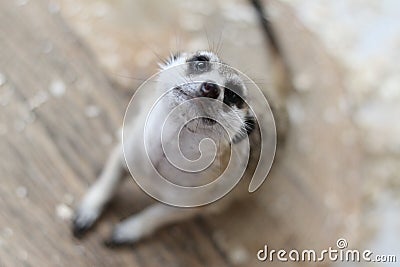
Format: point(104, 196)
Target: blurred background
point(68, 69)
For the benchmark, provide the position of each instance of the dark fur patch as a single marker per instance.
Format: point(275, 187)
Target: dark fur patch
point(232, 94)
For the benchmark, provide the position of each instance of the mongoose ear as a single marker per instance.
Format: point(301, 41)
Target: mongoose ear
point(247, 129)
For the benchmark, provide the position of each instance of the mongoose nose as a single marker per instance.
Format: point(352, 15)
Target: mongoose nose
point(209, 89)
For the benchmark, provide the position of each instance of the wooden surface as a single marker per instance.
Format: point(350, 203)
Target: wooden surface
point(59, 115)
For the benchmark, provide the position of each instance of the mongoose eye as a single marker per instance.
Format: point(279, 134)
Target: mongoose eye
point(201, 66)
